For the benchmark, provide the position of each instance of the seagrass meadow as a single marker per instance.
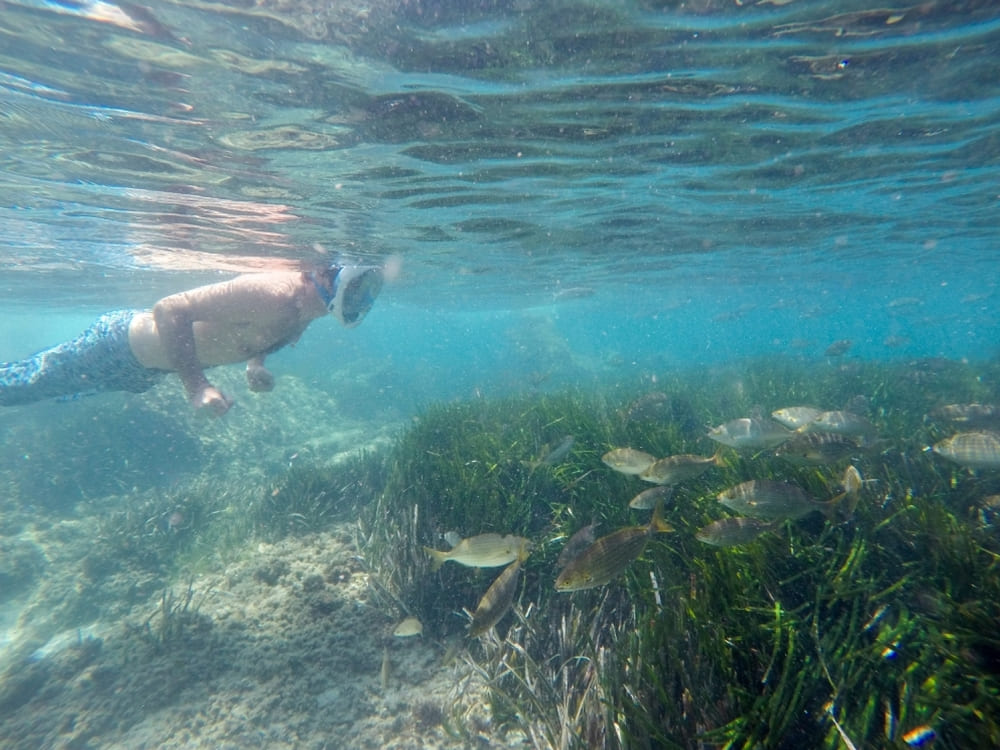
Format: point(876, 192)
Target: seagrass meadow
point(880, 630)
point(266, 582)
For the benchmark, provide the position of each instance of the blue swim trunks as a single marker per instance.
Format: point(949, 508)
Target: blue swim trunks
point(99, 359)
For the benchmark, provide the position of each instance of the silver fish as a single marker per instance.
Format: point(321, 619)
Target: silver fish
point(648, 499)
point(628, 460)
point(973, 450)
point(553, 453)
point(679, 468)
point(852, 484)
point(650, 406)
point(816, 448)
point(842, 423)
point(837, 348)
point(408, 628)
point(577, 543)
point(482, 551)
point(769, 499)
point(732, 532)
point(975, 416)
point(750, 432)
point(794, 417)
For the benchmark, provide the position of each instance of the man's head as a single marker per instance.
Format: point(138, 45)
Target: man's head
point(349, 291)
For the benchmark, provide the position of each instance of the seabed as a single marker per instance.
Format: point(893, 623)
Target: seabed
point(251, 600)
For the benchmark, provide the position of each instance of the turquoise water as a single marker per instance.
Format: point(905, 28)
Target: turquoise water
point(580, 194)
point(728, 180)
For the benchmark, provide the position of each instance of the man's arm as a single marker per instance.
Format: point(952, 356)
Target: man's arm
point(259, 378)
point(174, 316)
point(240, 300)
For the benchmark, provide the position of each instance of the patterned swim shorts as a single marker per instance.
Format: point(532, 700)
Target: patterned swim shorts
point(99, 359)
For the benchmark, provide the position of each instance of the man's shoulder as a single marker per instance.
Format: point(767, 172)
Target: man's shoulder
point(271, 283)
point(257, 291)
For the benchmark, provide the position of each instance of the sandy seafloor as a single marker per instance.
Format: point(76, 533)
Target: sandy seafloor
point(283, 643)
point(285, 649)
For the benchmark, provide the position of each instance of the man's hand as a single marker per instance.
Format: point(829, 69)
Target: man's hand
point(211, 400)
point(259, 378)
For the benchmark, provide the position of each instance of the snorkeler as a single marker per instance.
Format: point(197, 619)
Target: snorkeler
point(241, 320)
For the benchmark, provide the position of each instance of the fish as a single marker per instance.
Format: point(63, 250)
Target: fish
point(498, 598)
point(732, 532)
point(895, 341)
point(794, 417)
point(842, 423)
point(409, 627)
point(386, 671)
point(647, 499)
point(816, 448)
point(750, 432)
point(649, 406)
point(679, 468)
point(482, 551)
point(973, 450)
point(553, 453)
point(577, 543)
point(772, 500)
point(975, 416)
point(628, 460)
point(837, 348)
point(852, 484)
point(609, 556)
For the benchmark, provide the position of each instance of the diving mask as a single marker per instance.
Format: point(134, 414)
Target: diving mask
point(354, 291)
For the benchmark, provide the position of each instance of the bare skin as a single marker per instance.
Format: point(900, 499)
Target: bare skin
point(241, 320)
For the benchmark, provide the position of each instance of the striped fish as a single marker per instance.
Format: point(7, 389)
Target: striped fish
point(973, 450)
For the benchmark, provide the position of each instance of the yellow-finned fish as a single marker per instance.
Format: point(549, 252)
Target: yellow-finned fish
point(498, 598)
point(482, 551)
point(609, 556)
point(628, 460)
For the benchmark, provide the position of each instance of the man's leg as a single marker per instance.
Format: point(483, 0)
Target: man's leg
point(99, 359)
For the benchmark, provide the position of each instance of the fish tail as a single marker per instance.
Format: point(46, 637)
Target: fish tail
point(852, 490)
point(657, 524)
point(438, 558)
point(717, 459)
point(831, 506)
